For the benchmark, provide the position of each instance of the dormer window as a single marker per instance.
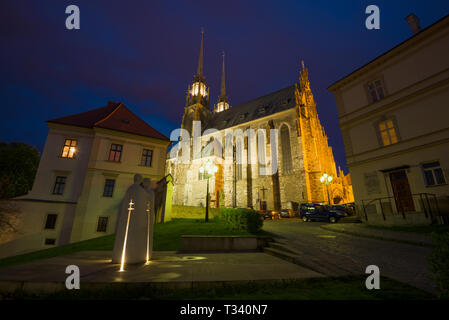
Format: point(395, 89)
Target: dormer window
point(261, 110)
point(69, 149)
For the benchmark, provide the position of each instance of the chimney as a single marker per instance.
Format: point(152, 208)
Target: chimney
point(413, 22)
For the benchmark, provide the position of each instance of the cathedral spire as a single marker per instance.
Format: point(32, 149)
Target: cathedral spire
point(199, 74)
point(223, 82)
point(223, 103)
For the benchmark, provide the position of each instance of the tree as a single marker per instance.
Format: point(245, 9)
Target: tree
point(18, 166)
point(10, 218)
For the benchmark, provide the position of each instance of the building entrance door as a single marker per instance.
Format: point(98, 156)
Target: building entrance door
point(401, 190)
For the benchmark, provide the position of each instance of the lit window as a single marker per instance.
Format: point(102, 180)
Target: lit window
point(147, 158)
point(375, 90)
point(50, 223)
point(102, 225)
point(69, 148)
point(108, 188)
point(115, 153)
point(388, 132)
point(59, 185)
point(433, 174)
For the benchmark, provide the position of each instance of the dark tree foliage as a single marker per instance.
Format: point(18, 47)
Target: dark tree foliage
point(18, 166)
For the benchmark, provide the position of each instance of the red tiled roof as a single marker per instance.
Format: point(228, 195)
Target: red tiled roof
point(114, 116)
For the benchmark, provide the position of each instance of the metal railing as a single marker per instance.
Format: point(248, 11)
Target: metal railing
point(422, 202)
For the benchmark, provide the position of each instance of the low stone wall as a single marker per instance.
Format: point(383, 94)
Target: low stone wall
point(189, 212)
point(222, 243)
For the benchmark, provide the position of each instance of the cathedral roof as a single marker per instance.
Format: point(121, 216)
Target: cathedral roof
point(254, 109)
point(114, 116)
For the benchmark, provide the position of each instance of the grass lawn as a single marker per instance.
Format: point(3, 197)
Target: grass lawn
point(166, 238)
point(439, 228)
point(341, 288)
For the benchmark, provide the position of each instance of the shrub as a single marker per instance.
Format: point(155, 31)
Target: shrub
point(242, 219)
point(439, 263)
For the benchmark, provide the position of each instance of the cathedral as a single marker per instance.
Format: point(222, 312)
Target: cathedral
point(268, 153)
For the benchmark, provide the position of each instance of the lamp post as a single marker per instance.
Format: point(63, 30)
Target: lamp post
point(326, 180)
point(208, 169)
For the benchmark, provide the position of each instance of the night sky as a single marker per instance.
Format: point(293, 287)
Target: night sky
point(145, 53)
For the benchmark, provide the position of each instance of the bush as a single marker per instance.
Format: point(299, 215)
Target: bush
point(439, 263)
point(242, 219)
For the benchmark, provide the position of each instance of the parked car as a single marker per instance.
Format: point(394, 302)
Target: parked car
point(266, 214)
point(347, 208)
point(286, 213)
point(275, 214)
point(270, 214)
point(312, 211)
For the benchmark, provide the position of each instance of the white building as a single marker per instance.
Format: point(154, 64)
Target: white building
point(394, 119)
point(88, 162)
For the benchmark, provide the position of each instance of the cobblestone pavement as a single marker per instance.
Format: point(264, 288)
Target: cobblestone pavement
point(346, 254)
point(360, 229)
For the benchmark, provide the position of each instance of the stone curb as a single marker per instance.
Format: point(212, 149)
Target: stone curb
point(31, 287)
point(379, 237)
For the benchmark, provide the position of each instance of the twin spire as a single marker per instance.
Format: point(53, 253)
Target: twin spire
point(199, 77)
point(199, 73)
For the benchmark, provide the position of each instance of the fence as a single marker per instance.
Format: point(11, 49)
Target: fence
point(426, 203)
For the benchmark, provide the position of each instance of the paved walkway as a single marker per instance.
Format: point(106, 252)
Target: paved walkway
point(362, 230)
point(166, 268)
point(336, 253)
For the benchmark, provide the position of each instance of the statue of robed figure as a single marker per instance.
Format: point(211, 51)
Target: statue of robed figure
point(138, 243)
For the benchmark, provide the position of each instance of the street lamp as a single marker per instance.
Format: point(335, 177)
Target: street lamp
point(326, 180)
point(208, 169)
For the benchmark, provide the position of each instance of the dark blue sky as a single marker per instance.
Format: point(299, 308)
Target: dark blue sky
point(144, 54)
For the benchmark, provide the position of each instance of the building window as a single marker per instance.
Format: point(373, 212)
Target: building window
point(108, 188)
point(115, 153)
point(50, 223)
point(147, 158)
point(286, 151)
point(59, 185)
point(433, 174)
point(375, 90)
point(50, 242)
point(69, 149)
point(388, 132)
point(102, 225)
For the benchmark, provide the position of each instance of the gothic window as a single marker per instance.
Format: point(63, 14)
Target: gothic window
point(286, 150)
point(261, 152)
point(239, 160)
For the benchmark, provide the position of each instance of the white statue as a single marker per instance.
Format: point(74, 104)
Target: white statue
point(136, 246)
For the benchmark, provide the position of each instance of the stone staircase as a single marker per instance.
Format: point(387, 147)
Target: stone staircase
point(280, 248)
